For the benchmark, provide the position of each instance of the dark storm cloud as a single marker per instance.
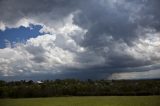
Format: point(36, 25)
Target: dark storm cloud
point(113, 28)
point(12, 11)
point(121, 21)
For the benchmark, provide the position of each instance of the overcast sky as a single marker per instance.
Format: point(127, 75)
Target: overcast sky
point(84, 39)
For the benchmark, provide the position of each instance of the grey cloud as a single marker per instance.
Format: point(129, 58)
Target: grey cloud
point(115, 29)
point(12, 11)
point(38, 53)
point(115, 20)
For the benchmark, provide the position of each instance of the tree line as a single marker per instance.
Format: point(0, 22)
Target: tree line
point(73, 87)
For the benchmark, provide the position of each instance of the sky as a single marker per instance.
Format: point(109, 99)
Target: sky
point(81, 39)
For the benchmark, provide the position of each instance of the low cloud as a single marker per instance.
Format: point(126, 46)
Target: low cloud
point(136, 75)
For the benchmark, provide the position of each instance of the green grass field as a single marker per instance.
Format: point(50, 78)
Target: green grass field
point(85, 101)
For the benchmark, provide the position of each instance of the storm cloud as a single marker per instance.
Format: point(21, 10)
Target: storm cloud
point(99, 39)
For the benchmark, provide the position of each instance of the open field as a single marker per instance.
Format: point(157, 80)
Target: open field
point(85, 101)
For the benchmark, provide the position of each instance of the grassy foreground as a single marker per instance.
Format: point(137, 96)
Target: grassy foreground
point(85, 101)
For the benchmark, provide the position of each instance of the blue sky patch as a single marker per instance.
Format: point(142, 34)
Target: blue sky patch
point(19, 34)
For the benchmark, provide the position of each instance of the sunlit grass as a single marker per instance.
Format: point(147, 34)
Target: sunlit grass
point(85, 101)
